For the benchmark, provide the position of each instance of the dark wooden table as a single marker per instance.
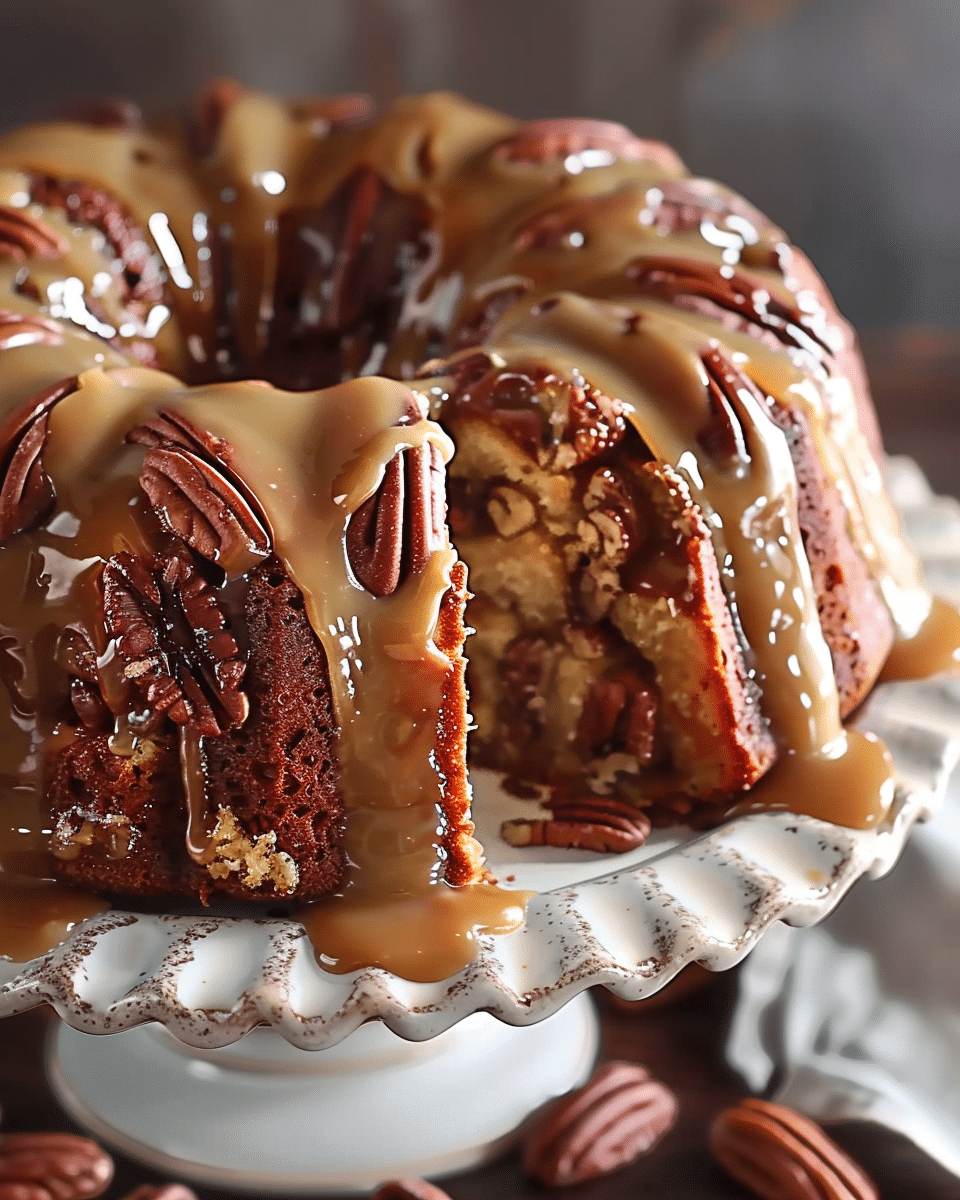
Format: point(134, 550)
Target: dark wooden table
point(916, 376)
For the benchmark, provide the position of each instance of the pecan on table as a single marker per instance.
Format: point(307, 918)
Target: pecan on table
point(52, 1166)
point(174, 642)
point(162, 1191)
point(26, 492)
point(614, 1118)
point(409, 1189)
point(781, 1155)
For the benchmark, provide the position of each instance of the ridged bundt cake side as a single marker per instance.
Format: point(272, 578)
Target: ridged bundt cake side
point(667, 490)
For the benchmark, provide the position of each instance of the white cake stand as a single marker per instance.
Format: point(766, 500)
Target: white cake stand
point(446, 1072)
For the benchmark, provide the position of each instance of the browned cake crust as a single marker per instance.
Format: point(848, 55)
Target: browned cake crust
point(276, 774)
point(855, 621)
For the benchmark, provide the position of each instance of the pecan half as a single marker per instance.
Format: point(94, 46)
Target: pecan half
point(723, 435)
point(619, 713)
point(172, 428)
point(475, 326)
point(393, 533)
point(212, 106)
point(409, 1189)
point(597, 823)
point(683, 205)
point(544, 141)
point(105, 112)
point(174, 642)
point(163, 1191)
point(619, 1115)
point(22, 329)
point(197, 496)
point(23, 236)
point(27, 494)
point(780, 1155)
point(197, 502)
point(739, 302)
point(52, 1166)
point(327, 114)
point(344, 271)
point(85, 204)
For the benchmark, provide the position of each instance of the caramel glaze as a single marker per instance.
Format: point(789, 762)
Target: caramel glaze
point(531, 241)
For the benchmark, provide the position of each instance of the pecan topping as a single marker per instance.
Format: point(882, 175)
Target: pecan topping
point(683, 205)
point(197, 496)
point(722, 437)
point(21, 329)
point(475, 327)
point(344, 270)
point(105, 112)
point(740, 302)
point(619, 1115)
point(163, 1191)
point(173, 640)
point(212, 106)
point(327, 114)
point(409, 1189)
point(26, 493)
point(173, 429)
point(780, 1155)
point(597, 823)
point(23, 236)
point(198, 503)
point(393, 533)
point(85, 204)
point(595, 422)
point(545, 141)
point(52, 1166)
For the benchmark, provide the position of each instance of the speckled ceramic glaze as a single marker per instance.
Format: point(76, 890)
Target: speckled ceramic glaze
point(629, 923)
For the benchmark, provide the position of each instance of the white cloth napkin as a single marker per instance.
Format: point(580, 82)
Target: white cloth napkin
point(859, 1018)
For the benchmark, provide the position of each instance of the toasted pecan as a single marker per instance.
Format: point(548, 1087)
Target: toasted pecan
point(52, 1166)
point(597, 823)
point(409, 1189)
point(781, 1155)
point(24, 235)
point(614, 1118)
point(174, 642)
point(393, 533)
point(543, 141)
point(26, 492)
point(163, 1191)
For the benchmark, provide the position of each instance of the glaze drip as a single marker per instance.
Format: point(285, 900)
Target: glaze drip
point(600, 261)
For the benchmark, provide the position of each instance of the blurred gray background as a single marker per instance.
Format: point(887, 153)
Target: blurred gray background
point(840, 118)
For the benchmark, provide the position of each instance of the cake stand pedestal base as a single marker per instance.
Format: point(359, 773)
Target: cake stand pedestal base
point(262, 1114)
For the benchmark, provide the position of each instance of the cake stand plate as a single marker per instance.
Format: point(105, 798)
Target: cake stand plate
point(262, 1114)
point(629, 923)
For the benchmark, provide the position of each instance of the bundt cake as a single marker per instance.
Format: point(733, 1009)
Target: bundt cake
point(234, 355)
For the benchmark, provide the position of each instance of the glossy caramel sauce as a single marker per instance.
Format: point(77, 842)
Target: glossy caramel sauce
point(933, 649)
point(556, 234)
